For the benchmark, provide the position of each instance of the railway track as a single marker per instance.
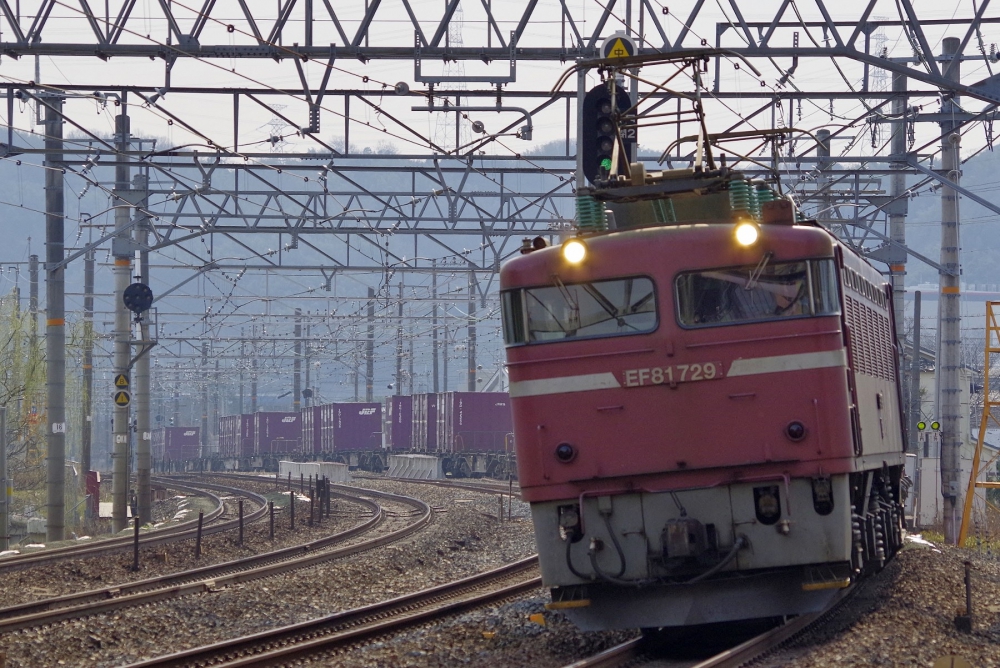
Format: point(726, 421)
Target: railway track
point(335, 632)
point(485, 487)
point(637, 652)
point(178, 532)
point(213, 578)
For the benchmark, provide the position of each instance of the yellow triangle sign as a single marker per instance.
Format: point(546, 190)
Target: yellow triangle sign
point(122, 398)
point(618, 49)
point(121, 380)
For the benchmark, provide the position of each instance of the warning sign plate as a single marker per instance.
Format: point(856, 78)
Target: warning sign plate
point(122, 398)
point(618, 45)
point(121, 380)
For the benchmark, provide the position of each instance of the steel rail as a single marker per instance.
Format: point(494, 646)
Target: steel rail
point(212, 578)
point(487, 487)
point(630, 651)
point(180, 531)
point(490, 487)
point(326, 633)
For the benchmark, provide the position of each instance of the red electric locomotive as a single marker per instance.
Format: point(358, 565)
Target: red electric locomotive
point(706, 405)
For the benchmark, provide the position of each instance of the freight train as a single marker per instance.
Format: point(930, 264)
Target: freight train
point(470, 433)
point(706, 405)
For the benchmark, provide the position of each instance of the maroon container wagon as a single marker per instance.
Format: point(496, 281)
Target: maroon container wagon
point(248, 435)
point(311, 422)
point(357, 426)
point(229, 436)
point(277, 433)
point(399, 423)
point(474, 422)
point(175, 444)
point(424, 422)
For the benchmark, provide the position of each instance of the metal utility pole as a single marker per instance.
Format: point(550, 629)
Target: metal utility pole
point(216, 399)
point(308, 401)
point(87, 419)
point(949, 355)
point(33, 299)
point(915, 406)
point(55, 320)
point(370, 349)
point(398, 389)
point(243, 356)
point(5, 491)
point(143, 425)
point(914, 417)
point(434, 321)
point(472, 332)
point(297, 364)
point(204, 398)
point(253, 382)
point(122, 250)
point(176, 422)
point(899, 203)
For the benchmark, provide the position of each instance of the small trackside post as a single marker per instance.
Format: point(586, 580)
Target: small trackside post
point(197, 540)
point(135, 546)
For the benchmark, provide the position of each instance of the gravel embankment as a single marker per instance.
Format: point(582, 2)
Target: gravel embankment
point(465, 538)
point(75, 575)
point(905, 616)
point(902, 617)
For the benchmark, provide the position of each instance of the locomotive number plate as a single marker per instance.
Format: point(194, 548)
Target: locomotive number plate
point(671, 375)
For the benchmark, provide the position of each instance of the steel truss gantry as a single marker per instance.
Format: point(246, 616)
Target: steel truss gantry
point(326, 74)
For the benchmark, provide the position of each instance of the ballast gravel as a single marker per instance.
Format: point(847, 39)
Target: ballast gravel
point(904, 616)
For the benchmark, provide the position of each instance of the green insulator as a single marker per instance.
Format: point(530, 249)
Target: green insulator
point(590, 216)
point(741, 199)
point(765, 194)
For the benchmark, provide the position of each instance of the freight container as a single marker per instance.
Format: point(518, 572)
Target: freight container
point(236, 436)
point(424, 423)
point(311, 421)
point(277, 433)
point(357, 426)
point(399, 423)
point(473, 422)
point(175, 444)
point(353, 426)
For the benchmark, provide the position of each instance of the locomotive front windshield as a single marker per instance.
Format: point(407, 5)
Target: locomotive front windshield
point(579, 310)
point(757, 293)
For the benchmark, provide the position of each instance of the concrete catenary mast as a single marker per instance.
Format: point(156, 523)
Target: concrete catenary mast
point(949, 328)
point(55, 320)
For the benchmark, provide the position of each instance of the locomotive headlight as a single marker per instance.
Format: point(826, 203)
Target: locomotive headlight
point(574, 251)
point(746, 233)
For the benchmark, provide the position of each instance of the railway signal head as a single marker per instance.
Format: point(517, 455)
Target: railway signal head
point(602, 123)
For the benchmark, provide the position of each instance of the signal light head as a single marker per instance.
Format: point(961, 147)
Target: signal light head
point(746, 232)
point(574, 251)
